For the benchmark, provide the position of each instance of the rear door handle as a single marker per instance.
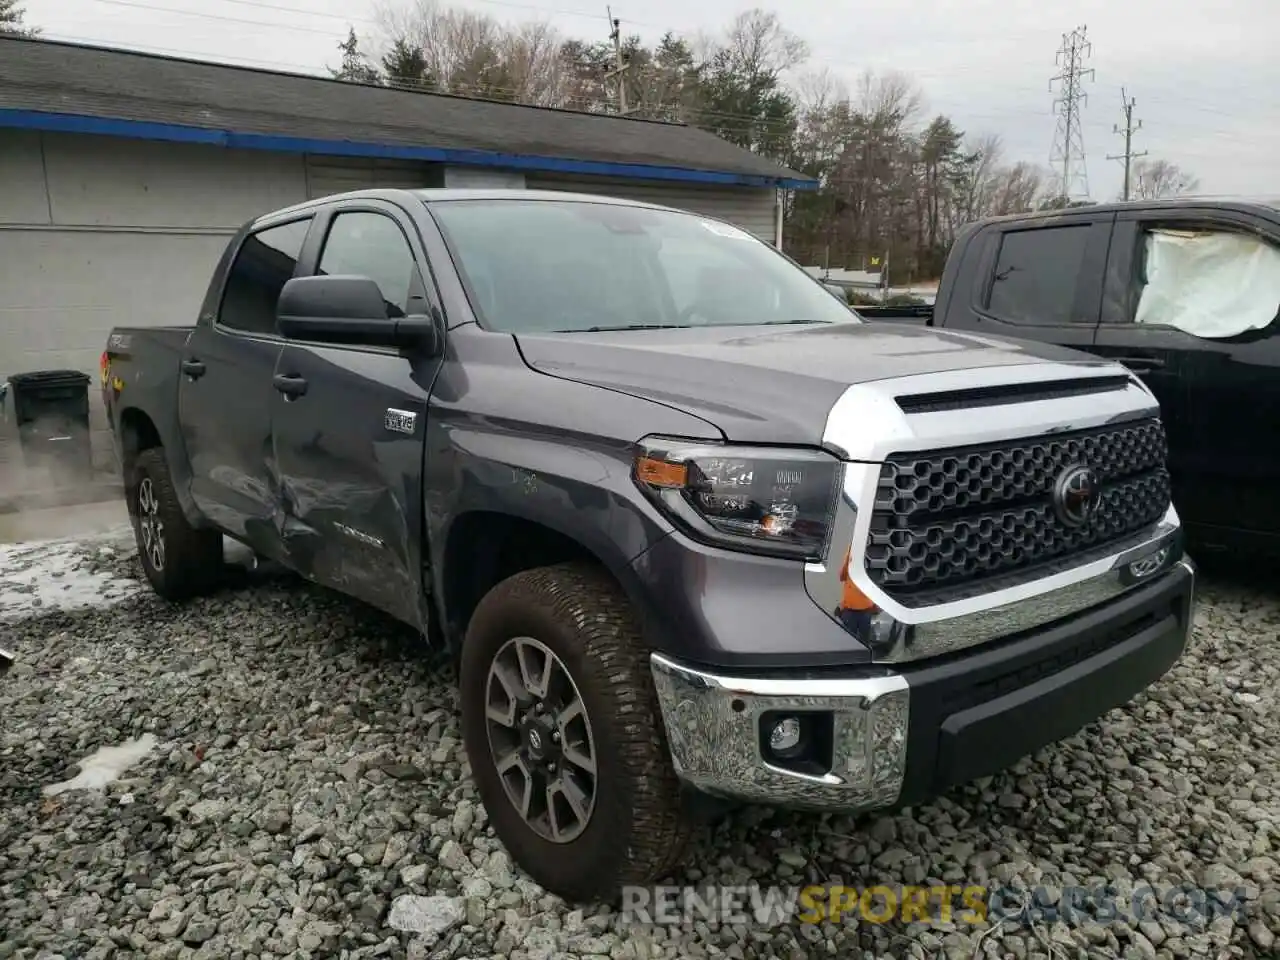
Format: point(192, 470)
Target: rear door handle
point(193, 368)
point(292, 386)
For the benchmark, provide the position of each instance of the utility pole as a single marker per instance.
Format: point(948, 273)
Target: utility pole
point(1129, 128)
point(619, 71)
point(1067, 156)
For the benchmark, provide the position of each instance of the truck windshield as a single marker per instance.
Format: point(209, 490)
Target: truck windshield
point(551, 266)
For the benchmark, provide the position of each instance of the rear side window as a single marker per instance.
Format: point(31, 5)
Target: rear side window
point(265, 263)
point(371, 245)
point(1208, 283)
point(1036, 274)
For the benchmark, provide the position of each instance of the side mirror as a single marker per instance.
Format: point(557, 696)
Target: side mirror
point(352, 310)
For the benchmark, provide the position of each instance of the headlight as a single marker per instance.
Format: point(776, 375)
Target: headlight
point(766, 500)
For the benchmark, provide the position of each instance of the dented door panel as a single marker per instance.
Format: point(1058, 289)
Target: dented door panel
point(349, 456)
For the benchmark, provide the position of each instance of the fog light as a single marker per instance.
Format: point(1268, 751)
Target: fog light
point(785, 736)
point(1141, 569)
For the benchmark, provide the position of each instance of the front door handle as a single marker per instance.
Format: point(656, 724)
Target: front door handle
point(193, 368)
point(291, 385)
point(1141, 363)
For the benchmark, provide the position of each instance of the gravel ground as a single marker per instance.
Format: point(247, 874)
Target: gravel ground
point(299, 779)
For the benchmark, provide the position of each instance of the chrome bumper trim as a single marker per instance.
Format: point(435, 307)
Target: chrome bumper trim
point(713, 728)
point(901, 641)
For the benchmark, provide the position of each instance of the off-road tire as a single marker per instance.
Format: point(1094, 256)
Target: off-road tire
point(192, 561)
point(639, 828)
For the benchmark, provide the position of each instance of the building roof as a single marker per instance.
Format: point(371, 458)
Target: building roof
point(60, 86)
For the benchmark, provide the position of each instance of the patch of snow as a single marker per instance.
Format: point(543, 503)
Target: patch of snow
point(105, 765)
point(41, 575)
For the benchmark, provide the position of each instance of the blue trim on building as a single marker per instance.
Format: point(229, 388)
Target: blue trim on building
point(181, 133)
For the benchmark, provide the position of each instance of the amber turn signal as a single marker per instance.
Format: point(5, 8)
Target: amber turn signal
point(660, 473)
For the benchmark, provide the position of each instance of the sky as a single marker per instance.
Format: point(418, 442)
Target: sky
point(1203, 75)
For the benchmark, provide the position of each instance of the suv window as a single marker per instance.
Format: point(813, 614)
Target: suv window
point(371, 245)
point(1036, 274)
point(264, 264)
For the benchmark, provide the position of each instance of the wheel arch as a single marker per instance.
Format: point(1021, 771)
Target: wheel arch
point(137, 432)
point(484, 547)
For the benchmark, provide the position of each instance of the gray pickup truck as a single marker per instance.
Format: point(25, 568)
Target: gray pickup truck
point(692, 528)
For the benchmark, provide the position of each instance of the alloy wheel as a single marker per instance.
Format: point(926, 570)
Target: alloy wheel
point(540, 739)
point(150, 524)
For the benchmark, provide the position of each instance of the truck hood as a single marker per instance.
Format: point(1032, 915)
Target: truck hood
point(770, 384)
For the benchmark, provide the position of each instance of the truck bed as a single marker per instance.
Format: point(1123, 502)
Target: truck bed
point(131, 350)
point(123, 342)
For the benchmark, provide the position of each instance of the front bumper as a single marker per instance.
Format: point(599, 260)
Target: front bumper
point(891, 736)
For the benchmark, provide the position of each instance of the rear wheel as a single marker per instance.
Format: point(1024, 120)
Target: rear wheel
point(180, 561)
point(564, 734)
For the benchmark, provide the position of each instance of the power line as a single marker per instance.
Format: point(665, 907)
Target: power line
point(1128, 156)
point(224, 19)
point(1068, 138)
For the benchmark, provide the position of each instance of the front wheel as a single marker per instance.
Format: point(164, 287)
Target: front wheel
point(180, 561)
point(563, 732)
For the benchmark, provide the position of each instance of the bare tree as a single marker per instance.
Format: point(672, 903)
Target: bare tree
point(1016, 189)
point(978, 187)
point(819, 90)
point(889, 97)
point(533, 67)
point(472, 54)
point(759, 45)
point(1160, 179)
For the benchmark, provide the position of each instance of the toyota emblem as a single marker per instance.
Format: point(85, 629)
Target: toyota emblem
point(1076, 495)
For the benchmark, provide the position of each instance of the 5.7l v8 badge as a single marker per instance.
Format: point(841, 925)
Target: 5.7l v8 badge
point(400, 421)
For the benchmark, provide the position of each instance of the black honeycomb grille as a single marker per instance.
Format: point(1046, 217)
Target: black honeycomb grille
point(953, 520)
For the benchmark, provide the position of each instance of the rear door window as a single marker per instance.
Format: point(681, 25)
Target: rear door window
point(1208, 283)
point(1037, 273)
point(265, 262)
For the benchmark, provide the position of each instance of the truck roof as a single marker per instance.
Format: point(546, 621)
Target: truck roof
point(1268, 206)
point(438, 194)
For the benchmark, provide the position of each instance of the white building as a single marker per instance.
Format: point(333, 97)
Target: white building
point(122, 175)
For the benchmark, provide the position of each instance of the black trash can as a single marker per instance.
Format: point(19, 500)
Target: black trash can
point(51, 412)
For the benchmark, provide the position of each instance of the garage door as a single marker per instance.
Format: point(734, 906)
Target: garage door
point(329, 175)
point(62, 290)
point(751, 208)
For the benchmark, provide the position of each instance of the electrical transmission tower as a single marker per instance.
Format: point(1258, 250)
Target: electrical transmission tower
point(1129, 129)
point(1067, 157)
